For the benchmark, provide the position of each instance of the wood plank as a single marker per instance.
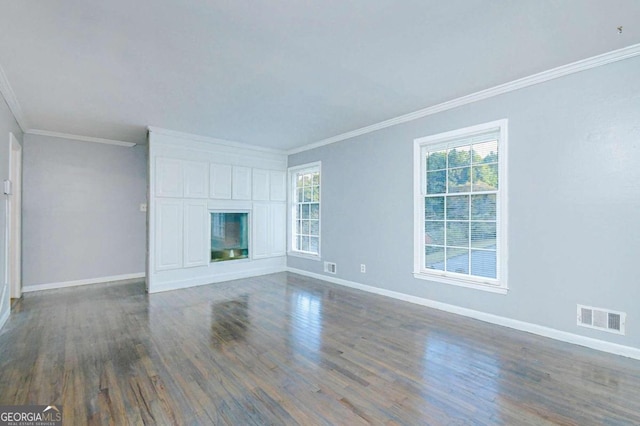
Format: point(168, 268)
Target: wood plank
point(286, 349)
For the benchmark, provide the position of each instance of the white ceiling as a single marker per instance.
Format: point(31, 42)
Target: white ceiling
point(281, 73)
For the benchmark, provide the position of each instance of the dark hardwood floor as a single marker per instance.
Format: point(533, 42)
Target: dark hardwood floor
point(285, 349)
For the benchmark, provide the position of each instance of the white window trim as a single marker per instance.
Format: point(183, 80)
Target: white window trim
point(292, 171)
point(498, 285)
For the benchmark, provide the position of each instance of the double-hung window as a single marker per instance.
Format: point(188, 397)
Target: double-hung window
point(460, 216)
point(304, 183)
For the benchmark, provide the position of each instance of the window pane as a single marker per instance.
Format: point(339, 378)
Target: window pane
point(483, 207)
point(436, 182)
point(458, 207)
point(437, 160)
point(485, 177)
point(460, 180)
point(315, 211)
point(315, 228)
point(461, 196)
point(458, 260)
point(434, 208)
point(486, 152)
point(483, 235)
point(458, 234)
point(434, 233)
point(483, 263)
point(307, 194)
point(306, 211)
point(460, 156)
point(314, 243)
point(434, 258)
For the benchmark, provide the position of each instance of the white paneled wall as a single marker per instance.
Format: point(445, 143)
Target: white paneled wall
point(168, 213)
point(169, 179)
point(220, 181)
point(196, 233)
point(260, 185)
point(241, 183)
point(196, 179)
point(277, 185)
point(192, 176)
point(260, 232)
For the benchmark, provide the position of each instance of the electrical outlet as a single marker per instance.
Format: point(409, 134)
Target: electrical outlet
point(363, 268)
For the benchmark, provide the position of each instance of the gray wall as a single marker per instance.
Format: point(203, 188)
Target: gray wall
point(574, 202)
point(81, 217)
point(7, 124)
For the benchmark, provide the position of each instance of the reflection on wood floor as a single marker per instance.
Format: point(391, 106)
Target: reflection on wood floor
point(284, 349)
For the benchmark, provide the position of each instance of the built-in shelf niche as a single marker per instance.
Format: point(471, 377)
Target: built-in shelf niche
point(229, 236)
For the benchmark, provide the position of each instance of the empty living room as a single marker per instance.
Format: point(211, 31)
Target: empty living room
point(320, 212)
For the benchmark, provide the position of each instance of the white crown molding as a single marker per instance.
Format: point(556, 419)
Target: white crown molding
point(78, 137)
point(10, 98)
point(208, 139)
point(65, 284)
point(540, 330)
point(561, 71)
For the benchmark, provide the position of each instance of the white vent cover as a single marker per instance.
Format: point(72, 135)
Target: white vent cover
point(330, 267)
point(601, 319)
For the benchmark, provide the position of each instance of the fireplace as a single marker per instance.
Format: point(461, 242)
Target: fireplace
point(229, 236)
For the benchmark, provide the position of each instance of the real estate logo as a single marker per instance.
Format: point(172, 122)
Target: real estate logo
point(30, 415)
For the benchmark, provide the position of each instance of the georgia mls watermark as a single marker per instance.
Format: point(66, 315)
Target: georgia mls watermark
point(30, 415)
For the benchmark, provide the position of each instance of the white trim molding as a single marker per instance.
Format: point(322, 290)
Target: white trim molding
point(79, 138)
point(207, 139)
point(64, 284)
point(493, 131)
point(541, 77)
point(12, 101)
point(539, 330)
point(4, 318)
point(292, 172)
point(215, 279)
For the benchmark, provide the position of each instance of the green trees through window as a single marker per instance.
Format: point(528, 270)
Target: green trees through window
point(460, 209)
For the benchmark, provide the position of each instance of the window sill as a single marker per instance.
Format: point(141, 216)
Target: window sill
point(461, 282)
point(304, 255)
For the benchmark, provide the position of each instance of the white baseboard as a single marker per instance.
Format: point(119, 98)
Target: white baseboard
point(51, 286)
point(540, 330)
point(212, 279)
point(4, 318)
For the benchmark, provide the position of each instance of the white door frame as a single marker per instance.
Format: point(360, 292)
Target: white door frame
point(14, 219)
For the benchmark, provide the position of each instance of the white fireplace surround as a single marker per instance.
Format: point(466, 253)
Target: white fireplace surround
point(189, 178)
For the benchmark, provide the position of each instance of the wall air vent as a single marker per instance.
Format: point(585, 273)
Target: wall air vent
point(330, 267)
point(601, 319)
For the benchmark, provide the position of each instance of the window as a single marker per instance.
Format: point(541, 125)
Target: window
point(305, 210)
point(460, 207)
